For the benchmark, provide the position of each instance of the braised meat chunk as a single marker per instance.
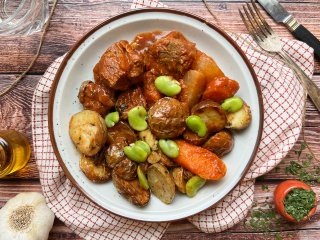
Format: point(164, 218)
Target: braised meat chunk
point(120, 66)
point(128, 100)
point(96, 97)
point(171, 55)
point(150, 91)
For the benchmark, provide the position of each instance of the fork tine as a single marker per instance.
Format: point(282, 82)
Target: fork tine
point(248, 26)
point(262, 19)
point(253, 24)
point(257, 21)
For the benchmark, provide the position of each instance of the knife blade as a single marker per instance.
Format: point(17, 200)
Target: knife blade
point(279, 14)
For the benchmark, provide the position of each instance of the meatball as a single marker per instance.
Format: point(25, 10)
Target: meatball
point(171, 55)
point(120, 66)
point(96, 97)
point(128, 100)
point(167, 118)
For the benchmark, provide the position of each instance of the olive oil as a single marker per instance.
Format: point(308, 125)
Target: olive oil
point(14, 151)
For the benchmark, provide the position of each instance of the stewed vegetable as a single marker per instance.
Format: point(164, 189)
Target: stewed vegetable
point(158, 119)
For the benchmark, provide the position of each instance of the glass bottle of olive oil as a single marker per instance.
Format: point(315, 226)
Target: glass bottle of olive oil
point(14, 151)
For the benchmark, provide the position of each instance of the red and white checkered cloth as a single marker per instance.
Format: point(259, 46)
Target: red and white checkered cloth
point(283, 103)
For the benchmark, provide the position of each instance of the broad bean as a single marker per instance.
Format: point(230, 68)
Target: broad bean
point(169, 148)
point(137, 118)
point(232, 104)
point(111, 119)
point(167, 86)
point(197, 125)
point(193, 185)
point(137, 151)
point(142, 179)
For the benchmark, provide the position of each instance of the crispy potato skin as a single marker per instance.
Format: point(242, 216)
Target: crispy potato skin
point(177, 174)
point(193, 138)
point(200, 161)
point(221, 143)
point(88, 132)
point(167, 118)
point(121, 131)
point(161, 183)
point(212, 114)
point(241, 119)
point(114, 153)
point(95, 170)
point(131, 190)
point(126, 169)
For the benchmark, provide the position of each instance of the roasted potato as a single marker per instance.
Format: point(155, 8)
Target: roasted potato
point(161, 182)
point(221, 143)
point(126, 169)
point(212, 114)
point(144, 166)
point(187, 174)
point(167, 118)
point(95, 168)
point(149, 138)
point(128, 100)
point(131, 190)
point(121, 131)
point(193, 138)
point(88, 132)
point(177, 175)
point(193, 85)
point(114, 153)
point(206, 65)
point(240, 119)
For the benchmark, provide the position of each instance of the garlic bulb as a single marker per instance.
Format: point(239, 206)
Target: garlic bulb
point(26, 217)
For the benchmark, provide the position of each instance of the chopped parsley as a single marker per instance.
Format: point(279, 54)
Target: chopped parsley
point(301, 168)
point(264, 187)
point(299, 202)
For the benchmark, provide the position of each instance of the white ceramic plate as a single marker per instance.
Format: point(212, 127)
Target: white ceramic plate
point(77, 67)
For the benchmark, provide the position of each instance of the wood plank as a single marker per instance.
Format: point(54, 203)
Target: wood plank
point(70, 22)
point(182, 228)
point(15, 113)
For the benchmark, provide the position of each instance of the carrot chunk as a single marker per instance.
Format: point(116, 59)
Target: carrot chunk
point(200, 161)
point(220, 88)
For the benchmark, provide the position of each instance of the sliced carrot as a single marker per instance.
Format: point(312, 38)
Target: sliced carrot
point(200, 161)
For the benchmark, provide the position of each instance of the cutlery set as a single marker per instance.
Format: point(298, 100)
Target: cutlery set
point(269, 41)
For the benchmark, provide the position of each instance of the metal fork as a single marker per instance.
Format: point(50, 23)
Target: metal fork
point(269, 41)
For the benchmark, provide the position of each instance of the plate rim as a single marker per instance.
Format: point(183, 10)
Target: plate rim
point(76, 45)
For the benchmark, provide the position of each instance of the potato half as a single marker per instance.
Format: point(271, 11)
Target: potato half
point(88, 132)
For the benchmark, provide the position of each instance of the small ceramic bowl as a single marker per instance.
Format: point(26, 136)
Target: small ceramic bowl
point(280, 194)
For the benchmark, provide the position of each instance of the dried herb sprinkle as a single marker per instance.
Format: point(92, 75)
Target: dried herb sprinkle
point(299, 202)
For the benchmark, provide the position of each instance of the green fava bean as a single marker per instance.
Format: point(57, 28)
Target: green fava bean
point(193, 185)
point(142, 179)
point(232, 104)
point(167, 86)
point(197, 125)
point(138, 151)
point(111, 119)
point(137, 118)
point(169, 148)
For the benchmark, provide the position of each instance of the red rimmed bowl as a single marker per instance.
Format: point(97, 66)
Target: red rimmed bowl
point(280, 194)
point(77, 67)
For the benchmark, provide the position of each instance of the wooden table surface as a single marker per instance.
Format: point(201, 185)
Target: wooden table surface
point(74, 18)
